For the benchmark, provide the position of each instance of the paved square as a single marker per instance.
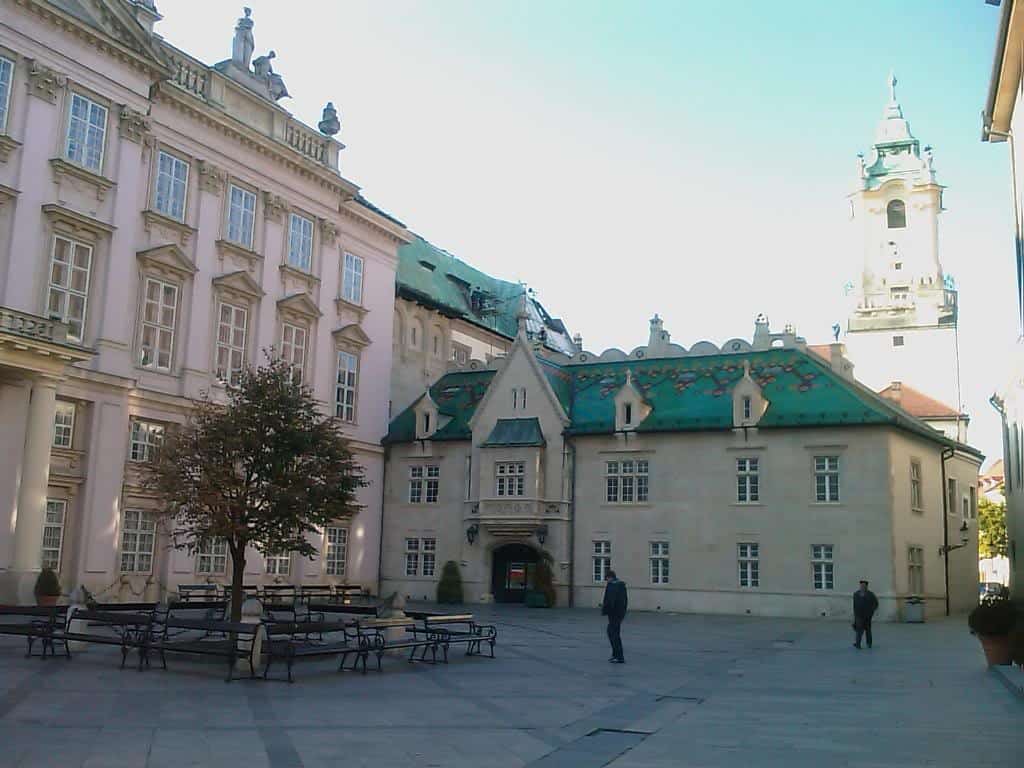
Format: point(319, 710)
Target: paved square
point(695, 691)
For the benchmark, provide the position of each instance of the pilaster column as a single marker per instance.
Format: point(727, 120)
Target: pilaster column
point(35, 473)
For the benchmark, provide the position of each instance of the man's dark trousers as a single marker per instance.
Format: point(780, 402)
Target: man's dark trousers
point(863, 629)
point(614, 636)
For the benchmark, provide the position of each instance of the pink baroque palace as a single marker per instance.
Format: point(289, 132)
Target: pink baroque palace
point(163, 221)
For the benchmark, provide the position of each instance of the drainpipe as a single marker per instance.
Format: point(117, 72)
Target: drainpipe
point(571, 449)
point(947, 453)
point(380, 540)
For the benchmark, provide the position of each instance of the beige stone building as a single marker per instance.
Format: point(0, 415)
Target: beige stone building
point(748, 478)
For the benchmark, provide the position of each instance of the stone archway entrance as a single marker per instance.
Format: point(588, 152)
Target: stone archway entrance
point(512, 572)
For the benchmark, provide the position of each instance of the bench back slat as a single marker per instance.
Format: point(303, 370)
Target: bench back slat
point(106, 617)
point(460, 618)
point(240, 628)
point(32, 610)
point(386, 623)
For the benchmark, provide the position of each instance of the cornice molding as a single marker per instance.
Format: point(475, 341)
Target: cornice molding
point(155, 219)
point(77, 221)
point(62, 168)
point(239, 283)
point(7, 145)
point(300, 304)
point(167, 259)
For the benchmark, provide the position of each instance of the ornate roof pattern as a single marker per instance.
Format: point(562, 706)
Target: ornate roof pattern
point(686, 394)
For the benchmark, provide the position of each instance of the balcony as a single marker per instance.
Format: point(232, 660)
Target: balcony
point(515, 517)
point(36, 344)
point(32, 326)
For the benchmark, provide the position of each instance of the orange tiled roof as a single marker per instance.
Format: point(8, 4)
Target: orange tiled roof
point(918, 403)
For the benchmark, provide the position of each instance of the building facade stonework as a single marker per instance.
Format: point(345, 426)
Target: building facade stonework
point(749, 478)
point(162, 223)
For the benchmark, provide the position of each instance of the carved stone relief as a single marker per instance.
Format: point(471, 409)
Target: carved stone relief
point(44, 82)
point(274, 206)
point(133, 125)
point(211, 178)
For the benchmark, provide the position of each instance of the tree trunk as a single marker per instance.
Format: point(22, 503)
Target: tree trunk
point(237, 579)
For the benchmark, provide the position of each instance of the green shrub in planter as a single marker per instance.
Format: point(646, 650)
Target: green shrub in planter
point(543, 581)
point(992, 617)
point(47, 587)
point(449, 588)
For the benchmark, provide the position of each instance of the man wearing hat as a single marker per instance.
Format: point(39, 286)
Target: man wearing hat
point(864, 606)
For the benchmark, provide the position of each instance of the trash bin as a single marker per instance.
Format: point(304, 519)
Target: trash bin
point(913, 610)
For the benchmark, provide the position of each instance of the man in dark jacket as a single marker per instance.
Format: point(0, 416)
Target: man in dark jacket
point(864, 606)
point(614, 607)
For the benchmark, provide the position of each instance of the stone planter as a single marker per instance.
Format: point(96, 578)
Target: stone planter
point(997, 649)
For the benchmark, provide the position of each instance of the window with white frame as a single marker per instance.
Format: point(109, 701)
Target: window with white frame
point(63, 424)
point(915, 485)
point(748, 489)
point(241, 215)
point(138, 540)
point(461, 353)
point(602, 559)
point(336, 552)
point(159, 307)
point(171, 185)
point(822, 566)
point(6, 76)
point(951, 495)
point(748, 556)
point(278, 564)
point(231, 332)
point(212, 557)
point(420, 557)
point(145, 438)
point(429, 551)
point(87, 130)
point(826, 479)
point(915, 570)
point(746, 408)
point(352, 279)
point(293, 349)
point(509, 478)
point(300, 242)
point(626, 481)
point(659, 562)
point(345, 386)
point(68, 292)
point(424, 483)
point(53, 533)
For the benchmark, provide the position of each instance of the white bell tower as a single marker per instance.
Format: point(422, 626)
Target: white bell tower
point(904, 325)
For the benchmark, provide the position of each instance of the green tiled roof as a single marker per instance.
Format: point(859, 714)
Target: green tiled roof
point(456, 396)
point(695, 393)
point(515, 432)
point(437, 279)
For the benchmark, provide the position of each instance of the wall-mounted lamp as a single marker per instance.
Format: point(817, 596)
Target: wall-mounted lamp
point(471, 533)
point(965, 539)
point(542, 534)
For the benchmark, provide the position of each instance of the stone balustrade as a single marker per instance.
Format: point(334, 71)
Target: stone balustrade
point(306, 142)
point(189, 74)
point(32, 326)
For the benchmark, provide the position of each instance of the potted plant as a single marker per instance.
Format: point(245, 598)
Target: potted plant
point(47, 587)
point(543, 593)
point(993, 621)
point(449, 588)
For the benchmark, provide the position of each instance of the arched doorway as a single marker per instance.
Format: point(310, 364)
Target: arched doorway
point(512, 572)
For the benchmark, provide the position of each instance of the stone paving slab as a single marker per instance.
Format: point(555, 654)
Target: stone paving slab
point(695, 691)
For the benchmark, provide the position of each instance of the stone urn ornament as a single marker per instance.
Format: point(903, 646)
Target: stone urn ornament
point(329, 124)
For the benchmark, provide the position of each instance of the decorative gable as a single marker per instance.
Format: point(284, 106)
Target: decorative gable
point(427, 416)
point(238, 285)
point(748, 402)
point(167, 260)
point(630, 407)
point(298, 306)
point(352, 335)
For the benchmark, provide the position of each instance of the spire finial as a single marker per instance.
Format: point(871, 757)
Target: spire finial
point(892, 86)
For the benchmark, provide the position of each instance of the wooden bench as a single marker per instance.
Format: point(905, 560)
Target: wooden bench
point(205, 592)
point(371, 632)
point(127, 630)
point(33, 622)
point(288, 641)
point(224, 639)
point(460, 628)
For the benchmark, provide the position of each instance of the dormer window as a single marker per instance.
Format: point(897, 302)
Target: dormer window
point(426, 423)
point(748, 402)
point(896, 214)
point(746, 408)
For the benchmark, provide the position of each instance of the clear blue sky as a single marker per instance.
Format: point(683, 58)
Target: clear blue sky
point(686, 158)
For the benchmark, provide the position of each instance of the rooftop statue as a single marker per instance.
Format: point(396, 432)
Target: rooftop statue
point(243, 44)
point(264, 71)
point(261, 65)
